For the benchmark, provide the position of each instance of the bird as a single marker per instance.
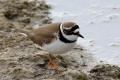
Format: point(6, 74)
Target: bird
point(55, 38)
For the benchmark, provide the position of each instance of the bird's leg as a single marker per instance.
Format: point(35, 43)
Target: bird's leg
point(52, 64)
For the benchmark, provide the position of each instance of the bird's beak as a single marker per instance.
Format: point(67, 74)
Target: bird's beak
point(80, 35)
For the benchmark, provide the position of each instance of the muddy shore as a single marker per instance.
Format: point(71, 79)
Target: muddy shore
point(20, 59)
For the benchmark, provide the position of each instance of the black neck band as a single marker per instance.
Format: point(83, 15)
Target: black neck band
point(63, 39)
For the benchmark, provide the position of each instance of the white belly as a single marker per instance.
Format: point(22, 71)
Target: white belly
point(58, 47)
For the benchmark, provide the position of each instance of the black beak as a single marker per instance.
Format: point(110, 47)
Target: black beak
point(80, 35)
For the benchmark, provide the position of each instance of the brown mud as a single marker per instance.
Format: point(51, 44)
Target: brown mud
point(20, 59)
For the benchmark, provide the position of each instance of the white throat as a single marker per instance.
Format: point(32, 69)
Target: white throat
point(69, 37)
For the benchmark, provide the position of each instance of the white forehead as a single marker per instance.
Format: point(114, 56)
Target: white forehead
point(67, 27)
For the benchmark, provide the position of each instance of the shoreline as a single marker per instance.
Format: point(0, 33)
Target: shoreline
point(20, 59)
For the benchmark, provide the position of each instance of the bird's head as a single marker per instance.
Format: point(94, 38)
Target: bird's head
point(71, 30)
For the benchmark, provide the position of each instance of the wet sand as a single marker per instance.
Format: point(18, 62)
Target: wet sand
point(20, 59)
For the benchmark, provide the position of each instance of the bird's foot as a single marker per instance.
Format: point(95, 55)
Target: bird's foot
point(52, 65)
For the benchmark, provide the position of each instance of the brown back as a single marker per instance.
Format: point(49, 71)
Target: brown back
point(45, 34)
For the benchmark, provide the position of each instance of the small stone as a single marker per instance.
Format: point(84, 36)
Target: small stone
point(26, 20)
point(77, 75)
point(113, 44)
point(11, 13)
point(91, 22)
point(110, 72)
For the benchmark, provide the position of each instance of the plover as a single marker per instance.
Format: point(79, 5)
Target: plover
point(56, 38)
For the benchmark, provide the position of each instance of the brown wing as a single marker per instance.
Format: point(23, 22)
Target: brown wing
point(46, 33)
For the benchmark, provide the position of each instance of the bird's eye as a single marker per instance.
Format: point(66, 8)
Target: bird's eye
point(76, 31)
point(74, 28)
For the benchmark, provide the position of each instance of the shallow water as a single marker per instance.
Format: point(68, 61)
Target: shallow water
point(99, 21)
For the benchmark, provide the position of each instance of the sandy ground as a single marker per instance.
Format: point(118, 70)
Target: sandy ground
point(20, 59)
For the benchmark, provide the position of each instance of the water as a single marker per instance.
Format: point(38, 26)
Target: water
point(99, 22)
